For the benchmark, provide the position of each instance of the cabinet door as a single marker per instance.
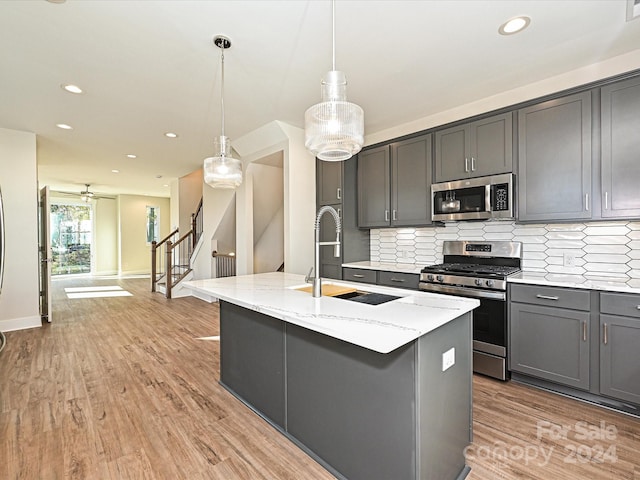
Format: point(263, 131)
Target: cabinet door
point(411, 182)
point(492, 146)
point(329, 182)
point(550, 343)
point(452, 153)
point(373, 188)
point(621, 149)
point(619, 360)
point(554, 171)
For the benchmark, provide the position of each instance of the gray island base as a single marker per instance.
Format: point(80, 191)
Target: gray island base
point(362, 414)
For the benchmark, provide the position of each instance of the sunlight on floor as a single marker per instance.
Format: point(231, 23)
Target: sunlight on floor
point(96, 292)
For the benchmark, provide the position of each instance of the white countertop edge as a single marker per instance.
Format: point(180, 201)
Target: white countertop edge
point(381, 328)
point(572, 281)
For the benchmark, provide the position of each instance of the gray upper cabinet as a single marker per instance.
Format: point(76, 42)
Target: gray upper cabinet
point(620, 109)
point(483, 147)
point(329, 184)
point(554, 161)
point(394, 184)
point(336, 186)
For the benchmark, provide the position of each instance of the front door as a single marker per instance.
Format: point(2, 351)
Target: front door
point(45, 256)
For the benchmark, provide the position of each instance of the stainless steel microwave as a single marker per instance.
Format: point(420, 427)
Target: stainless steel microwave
point(479, 198)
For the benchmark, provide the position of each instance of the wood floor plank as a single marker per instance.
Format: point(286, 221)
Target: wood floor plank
point(123, 388)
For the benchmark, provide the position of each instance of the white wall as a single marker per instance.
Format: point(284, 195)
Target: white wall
point(268, 217)
point(19, 299)
point(189, 195)
point(591, 73)
point(105, 222)
point(134, 252)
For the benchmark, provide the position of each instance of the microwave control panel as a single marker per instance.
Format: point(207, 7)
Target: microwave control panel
point(500, 197)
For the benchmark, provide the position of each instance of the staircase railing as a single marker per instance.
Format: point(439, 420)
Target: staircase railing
point(171, 258)
point(158, 258)
point(225, 264)
point(196, 224)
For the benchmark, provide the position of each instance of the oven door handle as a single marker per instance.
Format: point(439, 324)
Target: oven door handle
point(463, 292)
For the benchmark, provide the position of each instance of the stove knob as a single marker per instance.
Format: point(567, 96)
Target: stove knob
point(430, 277)
point(440, 278)
point(489, 283)
point(478, 282)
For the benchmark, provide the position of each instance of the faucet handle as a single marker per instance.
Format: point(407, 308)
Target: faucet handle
point(309, 278)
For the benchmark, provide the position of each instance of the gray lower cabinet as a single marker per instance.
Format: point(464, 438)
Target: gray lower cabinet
point(252, 363)
point(336, 186)
point(361, 414)
point(619, 341)
point(483, 147)
point(554, 160)
point(620, 107)
point(394, 184)
point(546, 340)
point(361, 275)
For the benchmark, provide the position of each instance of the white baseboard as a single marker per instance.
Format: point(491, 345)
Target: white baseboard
point(20, 323)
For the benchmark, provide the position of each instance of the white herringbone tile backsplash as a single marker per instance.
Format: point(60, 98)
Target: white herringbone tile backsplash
point(601, 250)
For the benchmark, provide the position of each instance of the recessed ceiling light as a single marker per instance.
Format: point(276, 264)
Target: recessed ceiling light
point(64, 126)
point(71, 88)
point(514, 25)
point(56, 1)
point(131, 155)
point(115, 171)
point(165, 185)
point(171, 135)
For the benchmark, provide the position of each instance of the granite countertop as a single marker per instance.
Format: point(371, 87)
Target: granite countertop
point(576, 281)
point(386, 267)
point(381, 328)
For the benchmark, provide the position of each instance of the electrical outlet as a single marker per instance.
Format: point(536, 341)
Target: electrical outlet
point(448, 359)
point(569, 259)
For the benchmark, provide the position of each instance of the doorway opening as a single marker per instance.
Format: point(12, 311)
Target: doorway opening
point(71, 237)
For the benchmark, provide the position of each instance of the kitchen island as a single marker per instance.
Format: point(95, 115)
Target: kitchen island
point(370, 391)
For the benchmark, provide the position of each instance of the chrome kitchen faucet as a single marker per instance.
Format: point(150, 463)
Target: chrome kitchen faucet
point(317, 281)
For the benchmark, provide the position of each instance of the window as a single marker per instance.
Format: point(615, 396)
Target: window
point(70, 239)
point(153, 224)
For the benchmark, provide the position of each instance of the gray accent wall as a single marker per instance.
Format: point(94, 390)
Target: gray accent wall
point(602, 250)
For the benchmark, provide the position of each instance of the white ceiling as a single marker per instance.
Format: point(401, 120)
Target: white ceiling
point(149, 67)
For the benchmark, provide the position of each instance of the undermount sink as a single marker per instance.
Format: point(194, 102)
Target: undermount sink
point(369, 298)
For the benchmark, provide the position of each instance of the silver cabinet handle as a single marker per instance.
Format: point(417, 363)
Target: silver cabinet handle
point(386, 215)
point(473, 164)
point(586, 202)
point(637, 307)
point(584, 331)
point(339, 213)
point(339, 193)
point(547, 297)
point(466, 164)
point(606, 200)
point(395, 215)
point(605, 334)
point(357, 275)
point(400, 280)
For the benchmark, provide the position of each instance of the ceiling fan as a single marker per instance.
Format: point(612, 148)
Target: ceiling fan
point(87, 195)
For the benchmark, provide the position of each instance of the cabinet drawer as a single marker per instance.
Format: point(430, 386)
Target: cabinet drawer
point(574, 299)
point(627, 305)
point(359, 275)
point(401, 280)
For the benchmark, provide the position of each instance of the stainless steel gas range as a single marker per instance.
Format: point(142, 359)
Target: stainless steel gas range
point(479, 269)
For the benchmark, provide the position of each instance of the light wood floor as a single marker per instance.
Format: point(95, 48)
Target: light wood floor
point(122, 388)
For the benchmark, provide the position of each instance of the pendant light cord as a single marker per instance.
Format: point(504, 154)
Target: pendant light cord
point(222, 88)
point(333, 32)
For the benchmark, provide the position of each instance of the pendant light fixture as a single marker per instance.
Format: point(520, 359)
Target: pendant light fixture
point(334, 128)
point(222, 170)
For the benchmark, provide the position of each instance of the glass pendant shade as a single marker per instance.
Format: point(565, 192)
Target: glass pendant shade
point(222, 170)
point(334, 128)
